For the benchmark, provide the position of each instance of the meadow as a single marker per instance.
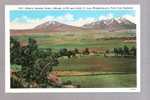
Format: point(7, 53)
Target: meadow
point(103, 81)
point(107, 71)
point(98, 63)
point(110, 71)
point(79, 40)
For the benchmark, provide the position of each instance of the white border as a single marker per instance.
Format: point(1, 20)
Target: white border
point(67, 90)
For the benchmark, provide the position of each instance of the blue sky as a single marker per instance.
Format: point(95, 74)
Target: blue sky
point(77, 13)
point(28, 18)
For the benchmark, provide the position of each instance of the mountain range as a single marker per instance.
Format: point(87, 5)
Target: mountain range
point(111, 24)
point(54, 26)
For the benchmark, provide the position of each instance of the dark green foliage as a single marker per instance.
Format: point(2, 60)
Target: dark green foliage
point(15, 50)
point(116, 51)
point(63, 51)
point(107, 51)
point(68, 53)
point(76, 51)
point(68, 82)
point(86, 51)
point(120, 51)
point(133, 51)
point(125, 51)
point(36, 64)
point(15, 83)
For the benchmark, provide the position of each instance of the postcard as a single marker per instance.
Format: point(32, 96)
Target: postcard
point(72, 48)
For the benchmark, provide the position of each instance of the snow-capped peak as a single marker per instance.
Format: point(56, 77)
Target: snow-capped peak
point(108, 21)
point(118, 20)
point(122, 20)
point(51, 22)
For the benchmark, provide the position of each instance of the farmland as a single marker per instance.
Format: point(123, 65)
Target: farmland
point(83, 70)
point(108, 72)
point(72, 40)
point(103, 81)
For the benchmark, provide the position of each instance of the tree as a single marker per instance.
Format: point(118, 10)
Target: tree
point(107, 51)
point(116, 51)
point(126, 50)
point(120, 51)
point(63, 52)
point(76, 51)
point(15, 51)
point(15, 83)
point(36, 64)
point(133, 51)
point(69, 54)
point(86, 51)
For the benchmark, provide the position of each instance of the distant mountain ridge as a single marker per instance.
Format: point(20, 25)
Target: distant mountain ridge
point(113, 24)
point(54, 26)
point(110, 25)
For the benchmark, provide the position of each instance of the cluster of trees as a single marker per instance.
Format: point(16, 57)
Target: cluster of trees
point(125, 51)
point(71, 53)
point(36, 64)
point(66, 52)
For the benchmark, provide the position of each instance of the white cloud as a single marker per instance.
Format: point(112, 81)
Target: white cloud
point(82, 21)
point(26, 22)
point(23, 23)
point(108, 16)
point(66, 17)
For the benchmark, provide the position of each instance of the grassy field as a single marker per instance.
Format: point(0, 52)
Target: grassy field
point(90, 63)
point(97, 63)
point(103, 81)
point(107, 71)
point(71, 41)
